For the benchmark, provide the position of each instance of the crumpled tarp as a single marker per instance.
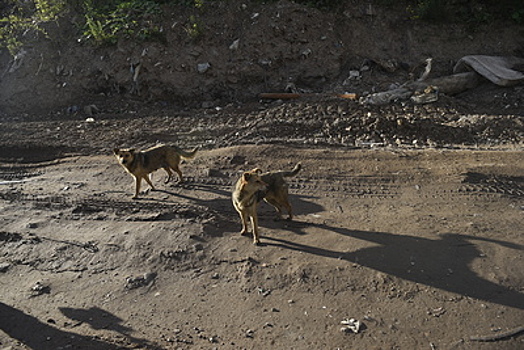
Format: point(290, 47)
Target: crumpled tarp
point(503, 71)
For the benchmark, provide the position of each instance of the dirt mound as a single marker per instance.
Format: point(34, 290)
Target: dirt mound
point(241, 49)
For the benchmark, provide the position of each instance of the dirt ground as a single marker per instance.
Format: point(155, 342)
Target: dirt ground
point(408, 218)
point(422, 245)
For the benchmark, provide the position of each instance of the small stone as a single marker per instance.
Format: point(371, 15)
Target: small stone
point(203, 67)
point(4, 267)
point(234, 45)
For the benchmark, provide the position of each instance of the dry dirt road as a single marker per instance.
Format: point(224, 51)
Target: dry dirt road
point(423, 247)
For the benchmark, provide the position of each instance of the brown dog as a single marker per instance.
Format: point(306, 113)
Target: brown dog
point(247, 194)
point(254, 186)
point(276, 192)
point(142, 163)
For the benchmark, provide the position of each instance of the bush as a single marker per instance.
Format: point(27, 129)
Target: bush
point(18, 18)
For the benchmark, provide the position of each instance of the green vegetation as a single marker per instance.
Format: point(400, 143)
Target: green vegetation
point(194, 28)
point(19, 18)
point(130, 18)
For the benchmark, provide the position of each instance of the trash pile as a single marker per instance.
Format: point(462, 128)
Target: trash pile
point(468, 73)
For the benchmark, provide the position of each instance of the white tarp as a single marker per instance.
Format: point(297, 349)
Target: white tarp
point(503, 71)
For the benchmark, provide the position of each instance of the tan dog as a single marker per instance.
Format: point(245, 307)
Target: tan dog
point(276, 192)
point(247, 194)
point(254, 186)
point(142, 163)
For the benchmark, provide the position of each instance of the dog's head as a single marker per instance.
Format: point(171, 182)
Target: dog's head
point(124, 155)
point(251, 182)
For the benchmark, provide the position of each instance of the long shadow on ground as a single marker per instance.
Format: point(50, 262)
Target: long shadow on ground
point(442, 263)
point(38, 335)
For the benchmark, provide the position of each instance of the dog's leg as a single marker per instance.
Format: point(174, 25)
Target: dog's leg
point(288, 208)
point(290, 217)
point(275, 204)
point(177, 170)
point(254, 223)
point(243, 217)
point(169, 174)
point(283, 201)
point(149, 182)
point(138, 180)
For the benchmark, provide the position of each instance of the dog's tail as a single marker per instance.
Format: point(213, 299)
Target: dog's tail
point(186, 154)
point(293, 172)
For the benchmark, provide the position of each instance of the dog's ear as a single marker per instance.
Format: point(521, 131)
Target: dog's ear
point(246, 176)
point(256, 171)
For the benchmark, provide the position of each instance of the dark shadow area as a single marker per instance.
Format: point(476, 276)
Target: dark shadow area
point(442, 263)
point(302, 205)
point(38, 335)
point(32, 153)
point(101, 319)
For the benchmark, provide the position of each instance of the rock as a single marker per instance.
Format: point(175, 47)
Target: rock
point(4, 267)
point(40, 288)
point(141, 281)
point(203, 67)
point(234, 45)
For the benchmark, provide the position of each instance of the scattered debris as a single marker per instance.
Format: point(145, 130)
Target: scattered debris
point(39, 288)
point(386, 97)
point(234, 45)
point(468, 72)
point(263, 292)
point(437, 312)
point(499, 336)
point(427, 70)
point(203, 67)
point(502, 71)
point(4, 267)
point(140, 281)
point(351, 325)
point(353, 75)
point(430, 94)
point(305, 53)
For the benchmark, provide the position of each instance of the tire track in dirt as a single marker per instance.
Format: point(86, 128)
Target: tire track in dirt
point(380, 187)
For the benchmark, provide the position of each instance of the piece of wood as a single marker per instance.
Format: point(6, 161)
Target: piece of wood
point(450, 85)
point(292, 95)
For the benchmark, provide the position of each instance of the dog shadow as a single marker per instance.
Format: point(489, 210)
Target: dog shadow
point(36, 334)
point(302, 205)
point(440, 263)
